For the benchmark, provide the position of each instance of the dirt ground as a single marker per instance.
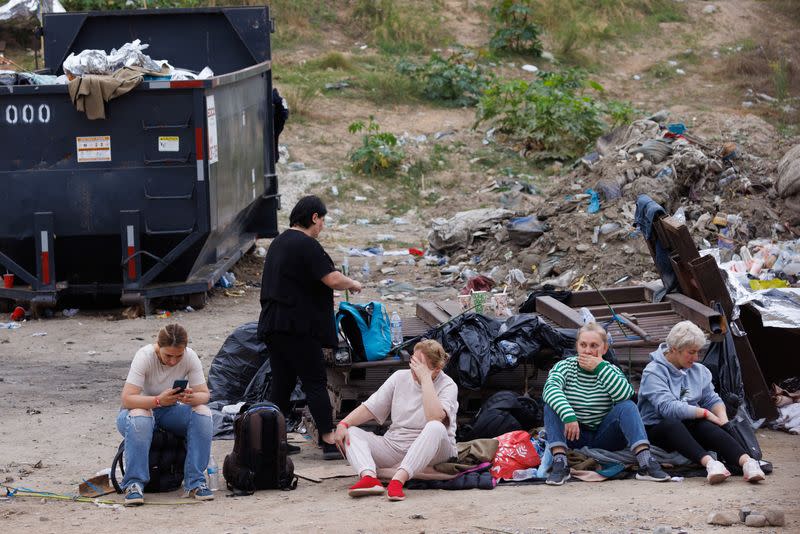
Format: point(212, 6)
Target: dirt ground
point(60, 398)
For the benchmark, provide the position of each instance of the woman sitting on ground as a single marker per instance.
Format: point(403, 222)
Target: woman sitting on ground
point(682, 412)
point(588, 403)
point(149, 401)
point(422, 404)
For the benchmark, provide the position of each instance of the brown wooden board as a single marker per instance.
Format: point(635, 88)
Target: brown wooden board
point(560, 313)
point(614, 295)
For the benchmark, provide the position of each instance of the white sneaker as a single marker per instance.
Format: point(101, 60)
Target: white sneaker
point(716, 472)
point(752, 471)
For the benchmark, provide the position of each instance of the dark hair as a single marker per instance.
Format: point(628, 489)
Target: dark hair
point(173, 335)
point(305, 209)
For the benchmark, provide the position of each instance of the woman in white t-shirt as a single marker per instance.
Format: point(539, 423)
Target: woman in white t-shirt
point(422, 403)
point(150, 401)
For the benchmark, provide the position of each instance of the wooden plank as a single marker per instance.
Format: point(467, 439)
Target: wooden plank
point(431, 313)
point(680, 240)
point(633, 307)
point(450, 307)
point(686, 281)
point(697, 312)
point(613, 295)
point(559, 312)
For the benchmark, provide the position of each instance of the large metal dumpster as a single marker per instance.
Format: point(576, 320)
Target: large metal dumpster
point(167, 192)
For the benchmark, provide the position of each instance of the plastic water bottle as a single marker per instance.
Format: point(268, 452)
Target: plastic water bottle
point(396, 325)
point(365, 269)
point(524, 474)
point(212, 473)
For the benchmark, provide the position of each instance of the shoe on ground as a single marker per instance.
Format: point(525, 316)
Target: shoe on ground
point(558, 474)
point(134, 495)
point(652, 472)
point(752, 471)
point(395, 491)
point(292, 449)
point(366, 486)
point(717, 472)
point(201, 493)
point(330, 452)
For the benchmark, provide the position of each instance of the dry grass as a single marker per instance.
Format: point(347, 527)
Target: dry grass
point(765, 67)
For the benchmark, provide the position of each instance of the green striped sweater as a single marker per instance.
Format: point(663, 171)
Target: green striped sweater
point(583, 396)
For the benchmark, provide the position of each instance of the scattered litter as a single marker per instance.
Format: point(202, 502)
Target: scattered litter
point(39, 334)
point(189, 309)
point(227, 280)
point(530, 68)
point(70, 312)
point(359, 198)
point(297, 166)
point(163, 314)
point(10, 326)
point(234, 293)
point(399, 221)
point(385, 237)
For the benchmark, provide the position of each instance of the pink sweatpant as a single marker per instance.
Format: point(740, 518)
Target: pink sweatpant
point(368, 451)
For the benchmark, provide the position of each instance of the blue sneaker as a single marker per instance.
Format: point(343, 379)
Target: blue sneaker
point(133, 495)
point(201, 493)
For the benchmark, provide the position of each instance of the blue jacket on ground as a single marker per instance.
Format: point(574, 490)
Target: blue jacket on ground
point(667, 392)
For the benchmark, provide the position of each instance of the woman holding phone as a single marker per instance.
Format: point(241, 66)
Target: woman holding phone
point(165, 389)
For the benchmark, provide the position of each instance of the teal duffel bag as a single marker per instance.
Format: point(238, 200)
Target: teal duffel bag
point(368, 329)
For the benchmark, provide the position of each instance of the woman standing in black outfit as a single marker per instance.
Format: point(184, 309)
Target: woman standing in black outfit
point(297, 318)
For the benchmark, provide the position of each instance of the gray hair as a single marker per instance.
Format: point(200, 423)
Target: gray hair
point(685, 334)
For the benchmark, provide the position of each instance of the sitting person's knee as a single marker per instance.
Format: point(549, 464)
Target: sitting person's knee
point(202, 409)
point(435, 426)
point(140, 412)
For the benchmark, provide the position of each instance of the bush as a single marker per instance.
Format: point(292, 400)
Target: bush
point(456, 81)
point(378, 153)
point(552, 113)
point(515, 30)
point(400, 28)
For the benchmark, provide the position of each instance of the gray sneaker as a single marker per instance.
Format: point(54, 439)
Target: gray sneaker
point(558, 474)
point(134, 495)
point(652, 472)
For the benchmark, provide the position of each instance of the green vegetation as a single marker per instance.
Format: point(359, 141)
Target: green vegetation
point(574, 25)
point(553, 113)
point(456, 81)
point(515, 30)
point(379, 153)
point(400, 27)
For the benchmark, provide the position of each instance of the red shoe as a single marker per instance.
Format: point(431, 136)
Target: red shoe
point(366, 486)
point(395, 492)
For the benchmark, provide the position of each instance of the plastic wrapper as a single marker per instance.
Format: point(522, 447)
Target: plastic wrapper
point(87, 62)
point(516, 451)
point(131, 55)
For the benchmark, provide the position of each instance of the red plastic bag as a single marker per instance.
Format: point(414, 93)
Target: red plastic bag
point(515, 452)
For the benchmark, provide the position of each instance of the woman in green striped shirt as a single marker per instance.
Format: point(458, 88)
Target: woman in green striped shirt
point(588, 403)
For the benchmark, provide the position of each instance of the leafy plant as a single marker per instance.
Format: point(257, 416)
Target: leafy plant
point(379, 152)
point(456, 80)
point(552, 113)
point(515, 30)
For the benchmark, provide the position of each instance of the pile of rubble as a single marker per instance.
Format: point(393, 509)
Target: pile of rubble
point(581, 233)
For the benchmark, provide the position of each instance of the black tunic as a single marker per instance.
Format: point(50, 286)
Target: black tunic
point(293, 298)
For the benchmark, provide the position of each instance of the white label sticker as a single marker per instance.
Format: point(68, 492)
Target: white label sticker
point(169, 143)
point(96, 148)
point(211, 125)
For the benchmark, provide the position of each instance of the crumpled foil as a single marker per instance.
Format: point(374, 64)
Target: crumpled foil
point(98, 62)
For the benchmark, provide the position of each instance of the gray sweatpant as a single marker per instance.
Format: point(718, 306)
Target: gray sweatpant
point(368, 451)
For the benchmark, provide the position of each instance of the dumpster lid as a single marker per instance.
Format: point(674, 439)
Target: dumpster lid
point(226, 39)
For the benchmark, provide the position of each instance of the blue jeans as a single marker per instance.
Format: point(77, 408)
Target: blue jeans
point(620, 427)
point(178, 419)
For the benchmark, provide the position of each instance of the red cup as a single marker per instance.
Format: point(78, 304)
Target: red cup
point(18, 314)
point(8, 281)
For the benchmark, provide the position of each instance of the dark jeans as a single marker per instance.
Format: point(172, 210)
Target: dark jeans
point(295, 356)
point(621, 427)
point(693, 438)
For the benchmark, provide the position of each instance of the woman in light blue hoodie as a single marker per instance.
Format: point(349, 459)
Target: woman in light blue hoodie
point(682, 412)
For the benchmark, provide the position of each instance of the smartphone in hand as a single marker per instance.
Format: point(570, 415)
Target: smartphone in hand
point(181, 384)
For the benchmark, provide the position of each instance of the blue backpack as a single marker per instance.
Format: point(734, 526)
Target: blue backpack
point(367, 328)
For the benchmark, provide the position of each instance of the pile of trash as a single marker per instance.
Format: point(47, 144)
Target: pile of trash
point(27, 9)
point(580, 230)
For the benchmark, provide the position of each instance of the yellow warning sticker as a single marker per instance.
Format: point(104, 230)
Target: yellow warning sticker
point(169, 144)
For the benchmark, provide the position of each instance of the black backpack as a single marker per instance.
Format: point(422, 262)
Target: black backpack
point(505, 411)
point(259, 460)
point(166, 458)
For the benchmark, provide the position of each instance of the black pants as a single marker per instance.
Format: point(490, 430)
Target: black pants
point(292, 357)
point(693, 438)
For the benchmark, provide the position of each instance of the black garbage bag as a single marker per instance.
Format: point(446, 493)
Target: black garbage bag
point(258, 389)
point(547, 290)
point(726, 374)
point(469, 339)
point(531, 334)
point(236, 363)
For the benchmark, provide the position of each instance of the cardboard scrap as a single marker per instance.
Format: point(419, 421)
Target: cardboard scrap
point(321, 472)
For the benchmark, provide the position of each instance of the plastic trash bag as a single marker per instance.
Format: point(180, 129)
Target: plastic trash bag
point(516, 451)
point(237, 362)
point(87, 62)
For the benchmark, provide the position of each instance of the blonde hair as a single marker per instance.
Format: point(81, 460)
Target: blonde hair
point(685, 334)
point(593, 327)
point(434, 353)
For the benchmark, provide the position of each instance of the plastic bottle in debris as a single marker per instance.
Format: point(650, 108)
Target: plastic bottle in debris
point(365, 269)
point(212, 474)
point(524, 474)
point(396, 326)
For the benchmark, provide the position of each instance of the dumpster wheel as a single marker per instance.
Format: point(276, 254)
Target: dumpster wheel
point(198, 301)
